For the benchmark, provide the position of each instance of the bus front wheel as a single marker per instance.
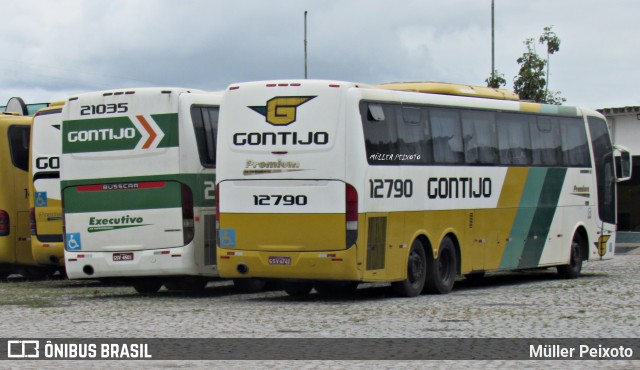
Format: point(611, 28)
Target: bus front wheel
point(441, 272)
point(573, 268)
point(416, 272)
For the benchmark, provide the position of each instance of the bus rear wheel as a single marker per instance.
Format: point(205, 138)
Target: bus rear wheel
point(573, 268)
point(249, 285)
point(441, 272)
point(147, 286)
point(416, 272)
point(295, 289)
point(336, 288)
point(191, 283)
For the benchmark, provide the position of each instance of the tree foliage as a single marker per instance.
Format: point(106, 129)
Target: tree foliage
point(496, 80)
point(532, 80)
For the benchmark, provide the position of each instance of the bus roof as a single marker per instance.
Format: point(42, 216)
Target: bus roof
point(451, 89)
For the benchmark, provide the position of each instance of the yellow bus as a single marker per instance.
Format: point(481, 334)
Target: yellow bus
point(15, 245)
point(327, 184)
point(44, 196)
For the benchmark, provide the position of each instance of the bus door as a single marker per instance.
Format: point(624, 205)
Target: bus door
point(203, 112)
point(604, 165)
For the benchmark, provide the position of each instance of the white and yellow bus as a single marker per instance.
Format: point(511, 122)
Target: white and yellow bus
point(44, 195)
point(138, 186)
point(328, 184)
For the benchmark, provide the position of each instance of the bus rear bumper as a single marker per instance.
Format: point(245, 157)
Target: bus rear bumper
point(48, 254)
point(318, 265)
point(122, 264)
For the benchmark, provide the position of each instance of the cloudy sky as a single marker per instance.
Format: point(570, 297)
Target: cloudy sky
point(51, 50)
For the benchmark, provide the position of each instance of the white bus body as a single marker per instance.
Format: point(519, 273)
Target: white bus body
point(138, 175)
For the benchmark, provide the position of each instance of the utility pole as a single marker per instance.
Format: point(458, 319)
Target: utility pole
point(493, 45)
point(305, 44)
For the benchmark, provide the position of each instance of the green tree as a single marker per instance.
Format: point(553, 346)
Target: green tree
point(530, 82)
point(553, 44)
point(496, 80)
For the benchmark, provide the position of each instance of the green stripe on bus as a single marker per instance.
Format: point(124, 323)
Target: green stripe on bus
point(202, 185)
point(543, 217)
point(168, 123)
point(524, 218)
point(168, 196)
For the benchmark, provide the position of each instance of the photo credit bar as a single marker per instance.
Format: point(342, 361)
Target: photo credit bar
point(602, 349)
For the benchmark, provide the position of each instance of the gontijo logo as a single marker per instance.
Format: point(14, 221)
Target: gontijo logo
point(118, 133)
point(282, 110)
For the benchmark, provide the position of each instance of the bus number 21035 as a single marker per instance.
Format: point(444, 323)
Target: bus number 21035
point(390, 188)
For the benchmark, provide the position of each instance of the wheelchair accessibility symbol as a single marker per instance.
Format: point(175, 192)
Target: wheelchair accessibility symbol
point(41, 199)
point(73, 242)
point(227, 238)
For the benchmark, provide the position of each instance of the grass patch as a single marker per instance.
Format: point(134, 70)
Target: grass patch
point(31, 303)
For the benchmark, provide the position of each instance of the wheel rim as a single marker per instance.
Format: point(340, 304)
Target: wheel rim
point(416, 267)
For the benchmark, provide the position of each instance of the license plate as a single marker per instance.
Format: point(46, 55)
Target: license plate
point(123, 256)
point(278, 260)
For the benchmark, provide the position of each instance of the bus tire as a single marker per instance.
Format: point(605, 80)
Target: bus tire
point(147, 286)
point(249, 285)
point(416, 272)
point(573, 268)
point(336, 288)
point(297, 289)
point(441, 272)
point(38, 272)
point(192, 283)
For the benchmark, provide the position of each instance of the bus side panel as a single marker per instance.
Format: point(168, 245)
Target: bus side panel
point(19, 216)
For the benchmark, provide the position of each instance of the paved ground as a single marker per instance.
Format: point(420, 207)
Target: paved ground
point(603, 303)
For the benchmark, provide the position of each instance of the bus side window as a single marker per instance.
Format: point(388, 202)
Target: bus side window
point(205, 124)
point(480, 141)
point(514, 142)
point(414, 136)
point(545, 134)
point(19, 144)
point(575, 150)
point(447, 136)
point(380, 132)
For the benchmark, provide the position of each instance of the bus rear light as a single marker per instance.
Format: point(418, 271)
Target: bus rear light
point(217, 211)
point(32, 221)
point(5, 224)
point(188, 229)
point(351, 214)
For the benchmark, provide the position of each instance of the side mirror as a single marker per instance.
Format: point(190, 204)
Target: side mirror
point(625, 163)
